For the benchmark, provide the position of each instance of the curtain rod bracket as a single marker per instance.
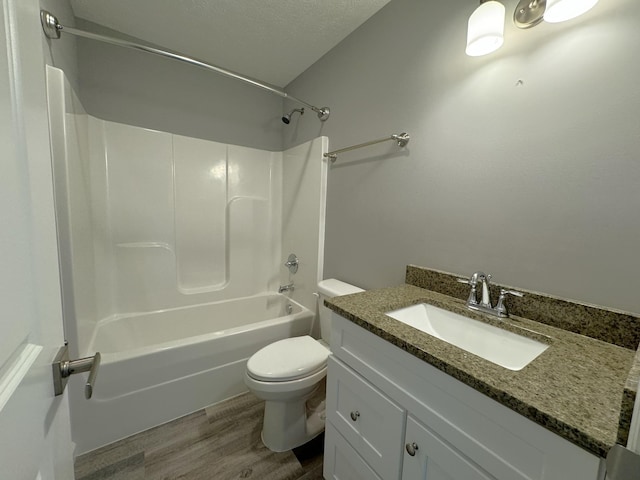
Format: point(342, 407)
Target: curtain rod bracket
point(50, 25)
point(323, 113)
point(401, 139)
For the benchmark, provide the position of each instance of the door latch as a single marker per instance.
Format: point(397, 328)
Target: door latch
point(63, 368)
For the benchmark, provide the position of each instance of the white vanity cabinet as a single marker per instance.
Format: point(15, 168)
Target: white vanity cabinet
point(393, 416)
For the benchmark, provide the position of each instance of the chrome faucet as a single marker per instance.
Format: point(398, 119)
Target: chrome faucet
point(500, 310)
point(286, 288)
point(484, 279)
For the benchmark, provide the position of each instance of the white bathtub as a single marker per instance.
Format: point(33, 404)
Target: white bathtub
point(159, 366)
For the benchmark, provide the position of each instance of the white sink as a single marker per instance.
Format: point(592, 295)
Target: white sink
point(499, 346)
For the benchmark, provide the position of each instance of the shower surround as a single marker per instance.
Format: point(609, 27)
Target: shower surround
point(150, 222)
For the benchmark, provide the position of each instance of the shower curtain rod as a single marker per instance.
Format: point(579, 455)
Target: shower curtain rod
point(52, 28)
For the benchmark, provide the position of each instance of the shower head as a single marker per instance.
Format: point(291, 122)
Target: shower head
point(286, 119)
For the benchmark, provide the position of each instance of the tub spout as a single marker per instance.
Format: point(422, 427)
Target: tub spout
point(286, 288)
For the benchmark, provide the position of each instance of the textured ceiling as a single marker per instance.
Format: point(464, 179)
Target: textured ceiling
point(270, 40)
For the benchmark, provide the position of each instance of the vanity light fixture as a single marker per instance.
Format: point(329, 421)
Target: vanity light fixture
point(485, 33)
point(531, 12)
point(562, 10)
point(486, 24)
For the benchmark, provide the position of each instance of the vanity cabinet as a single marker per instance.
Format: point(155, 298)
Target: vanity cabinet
point(393, 416)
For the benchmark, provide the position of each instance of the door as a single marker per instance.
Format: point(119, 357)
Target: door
point(35, 441)
point(428, 457)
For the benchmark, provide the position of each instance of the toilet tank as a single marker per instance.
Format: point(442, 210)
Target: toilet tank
point(327, 289)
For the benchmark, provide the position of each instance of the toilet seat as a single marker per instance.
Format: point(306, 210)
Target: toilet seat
point(288, 359)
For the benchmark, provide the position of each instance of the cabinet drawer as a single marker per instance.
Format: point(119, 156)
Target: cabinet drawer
point(341, 462)
point(434, 459)
point(368, 420)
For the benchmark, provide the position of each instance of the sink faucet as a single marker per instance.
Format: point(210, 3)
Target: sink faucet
point(473, 294)
point(484, 279)
point(500, 310)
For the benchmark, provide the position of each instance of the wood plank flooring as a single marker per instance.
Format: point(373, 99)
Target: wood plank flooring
point(221, 442)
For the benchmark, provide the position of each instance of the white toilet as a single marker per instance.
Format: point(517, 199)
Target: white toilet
point(288, 372)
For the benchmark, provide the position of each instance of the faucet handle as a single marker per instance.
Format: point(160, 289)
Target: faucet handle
point(504, 291)
point(501, 307)
point(472, 294)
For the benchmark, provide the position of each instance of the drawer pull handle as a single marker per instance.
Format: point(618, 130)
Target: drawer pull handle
point(411, 448)
point(355, 415)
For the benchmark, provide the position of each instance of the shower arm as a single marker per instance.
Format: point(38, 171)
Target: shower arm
point(52, 29)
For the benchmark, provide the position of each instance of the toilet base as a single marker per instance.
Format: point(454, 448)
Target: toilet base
point(288, 425)
point(283, 446)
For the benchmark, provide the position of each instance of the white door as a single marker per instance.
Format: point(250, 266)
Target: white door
point(35, 440)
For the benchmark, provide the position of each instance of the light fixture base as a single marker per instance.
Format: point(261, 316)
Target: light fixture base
point(529, 13)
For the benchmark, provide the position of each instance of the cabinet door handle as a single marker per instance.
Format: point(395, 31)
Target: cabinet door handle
point(355, 415)
point(411, 448)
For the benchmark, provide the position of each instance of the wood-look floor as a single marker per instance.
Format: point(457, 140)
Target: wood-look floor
point(221, 442)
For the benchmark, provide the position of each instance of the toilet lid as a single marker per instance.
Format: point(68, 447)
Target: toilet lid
point(288, 359)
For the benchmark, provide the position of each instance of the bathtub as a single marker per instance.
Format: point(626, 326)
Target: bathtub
point(162, 365)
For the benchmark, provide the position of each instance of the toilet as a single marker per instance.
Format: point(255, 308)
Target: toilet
point(289, 372)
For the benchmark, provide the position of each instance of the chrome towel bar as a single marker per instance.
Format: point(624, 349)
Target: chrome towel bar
point(401, 139)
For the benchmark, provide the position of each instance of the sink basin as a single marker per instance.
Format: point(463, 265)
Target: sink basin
point(499, 346)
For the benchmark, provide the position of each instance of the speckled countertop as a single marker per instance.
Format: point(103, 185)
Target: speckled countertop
point(576, 388)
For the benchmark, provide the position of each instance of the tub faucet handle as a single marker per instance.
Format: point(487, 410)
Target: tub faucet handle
point(292, 263)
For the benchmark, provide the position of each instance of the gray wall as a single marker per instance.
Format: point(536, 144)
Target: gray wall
point(524, 163)
point(136, 88)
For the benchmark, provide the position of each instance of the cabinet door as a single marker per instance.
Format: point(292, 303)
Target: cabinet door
point(427, 457)
point(371, 422)
point(341, 461)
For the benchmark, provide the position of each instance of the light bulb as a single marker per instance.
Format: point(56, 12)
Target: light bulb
point(485, 33)
point(562, 10)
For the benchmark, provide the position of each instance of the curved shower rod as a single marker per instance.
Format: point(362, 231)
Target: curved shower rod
point(52, 28)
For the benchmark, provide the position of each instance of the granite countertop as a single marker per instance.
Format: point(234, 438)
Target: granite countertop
point(576, 388)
